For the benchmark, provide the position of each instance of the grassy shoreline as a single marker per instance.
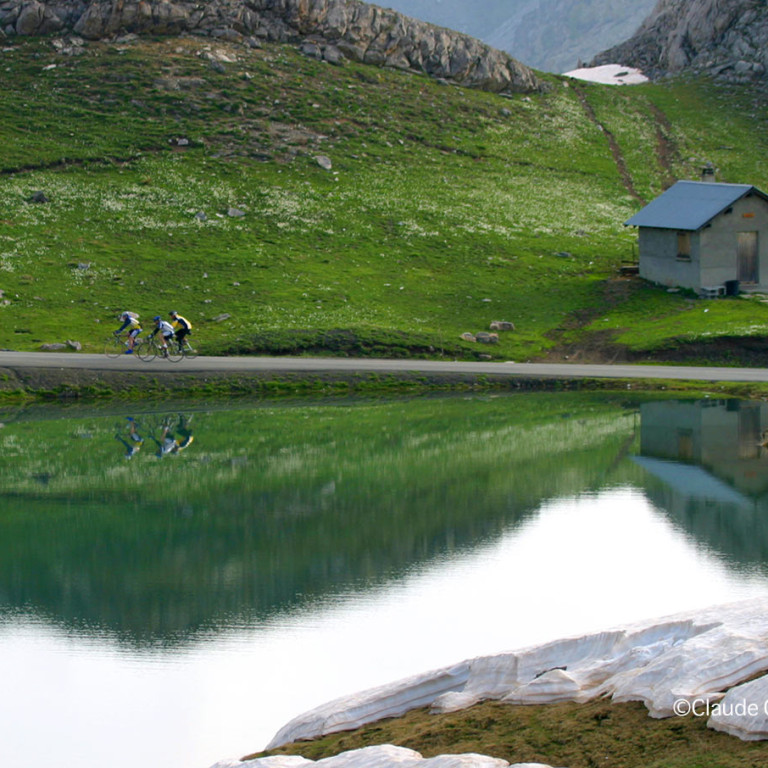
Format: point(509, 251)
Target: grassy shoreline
point(40, 384)
point(596, 733)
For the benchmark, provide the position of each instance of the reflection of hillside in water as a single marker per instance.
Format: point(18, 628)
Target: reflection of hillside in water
point(270, 508)
point(710, 472)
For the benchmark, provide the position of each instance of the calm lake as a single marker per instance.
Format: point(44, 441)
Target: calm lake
point(179, 580)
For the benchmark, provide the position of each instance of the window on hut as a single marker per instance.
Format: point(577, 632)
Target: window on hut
point(684, 246)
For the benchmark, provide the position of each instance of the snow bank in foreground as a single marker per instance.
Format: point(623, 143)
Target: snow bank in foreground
point(673, 665)
point(609, 74)
point(385, 756)
point(711, 662)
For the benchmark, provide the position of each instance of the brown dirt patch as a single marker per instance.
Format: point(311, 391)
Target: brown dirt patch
point(594, 346)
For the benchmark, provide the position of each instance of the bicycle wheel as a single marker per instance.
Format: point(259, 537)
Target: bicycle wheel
point(188, 350)
point(114, 346)
point(174, 352)
point(146, 349)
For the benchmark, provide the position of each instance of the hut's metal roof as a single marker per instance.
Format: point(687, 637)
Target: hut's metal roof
point(689, 205)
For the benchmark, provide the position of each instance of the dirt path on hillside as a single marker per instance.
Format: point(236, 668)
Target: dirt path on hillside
point(618, 156)
point(666, 148)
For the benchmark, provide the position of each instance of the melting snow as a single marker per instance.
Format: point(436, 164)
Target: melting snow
point(609, 74)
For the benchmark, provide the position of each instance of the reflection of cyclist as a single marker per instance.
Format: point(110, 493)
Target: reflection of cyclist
point(166, 332)
point(133, 326)
point(132, 448)
point(174, 441)
point(181, 326)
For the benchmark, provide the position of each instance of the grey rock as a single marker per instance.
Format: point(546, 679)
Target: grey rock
point(375, 58)
point(30, 19)
point(313, 50)
point(324, 162)
point(228, 34)
point(332, 54)
point(76, 345)
point(350, 50)
point(235, 213)
point(56, 347)
point(38, 197)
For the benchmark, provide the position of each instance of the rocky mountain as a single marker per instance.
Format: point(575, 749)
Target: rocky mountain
point(327, 29)
point(727, 39)
point(552, 35)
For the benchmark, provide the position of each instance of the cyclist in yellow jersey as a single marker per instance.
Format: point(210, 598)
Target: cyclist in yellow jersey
point(181, 327)
point(132, 325)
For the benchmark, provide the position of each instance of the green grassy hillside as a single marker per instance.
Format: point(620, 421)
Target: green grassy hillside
point(443, 210)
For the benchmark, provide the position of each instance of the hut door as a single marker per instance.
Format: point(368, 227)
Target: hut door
point(746, 250)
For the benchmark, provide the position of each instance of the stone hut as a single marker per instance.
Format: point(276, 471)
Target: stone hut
point(706, 236)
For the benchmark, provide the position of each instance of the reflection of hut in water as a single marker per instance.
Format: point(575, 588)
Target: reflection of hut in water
point(722, 436)
point(710, 472)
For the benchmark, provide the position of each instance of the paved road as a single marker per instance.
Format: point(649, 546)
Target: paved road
point(57, 360)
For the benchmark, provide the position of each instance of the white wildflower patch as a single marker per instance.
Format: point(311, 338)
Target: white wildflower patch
point(92, 274)
point(504, 206)
point(114, 205)
point(414, 229)
point(8, 261)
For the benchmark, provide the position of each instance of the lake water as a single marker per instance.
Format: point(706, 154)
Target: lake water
point(173, 593)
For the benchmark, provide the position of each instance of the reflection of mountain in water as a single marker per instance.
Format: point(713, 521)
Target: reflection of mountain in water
point(271, 507)
point(710, 472)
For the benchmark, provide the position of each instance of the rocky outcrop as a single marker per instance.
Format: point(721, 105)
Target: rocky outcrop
point(330, 28)
point(727, 39)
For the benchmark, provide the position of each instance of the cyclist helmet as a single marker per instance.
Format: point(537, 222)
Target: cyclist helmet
point(124, 315)
point(173, 314)
point(156, 318)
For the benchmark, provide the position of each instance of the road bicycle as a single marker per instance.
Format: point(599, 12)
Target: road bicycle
point(149, 349)
point(115, 346)
point(185, 349)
